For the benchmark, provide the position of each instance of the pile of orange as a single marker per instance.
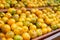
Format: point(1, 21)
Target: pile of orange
point(27, 3)
point(24, 25)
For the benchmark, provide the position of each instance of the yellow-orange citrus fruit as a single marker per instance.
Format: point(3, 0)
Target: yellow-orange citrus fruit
point(11, 21)
point(44, 30)
point(26, 36)
point(10, 34)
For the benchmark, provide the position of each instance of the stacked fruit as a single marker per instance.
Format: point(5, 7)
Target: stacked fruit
point(53, 2)
point(56, 8)
point(23, 24)
point(27, 3)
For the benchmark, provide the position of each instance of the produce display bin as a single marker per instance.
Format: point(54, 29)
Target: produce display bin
point(29, 19)
point(43, 36)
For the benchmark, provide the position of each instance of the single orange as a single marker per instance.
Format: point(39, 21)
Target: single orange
point(19, 23)
point(19, 11)
point(1, 6)
point(33, 33)
point(18, 37)
point(8, 15)
point(11, 21)
point(1, 23)
point(33, 27)
point(25, 28)
point(9, 38)
point(49, 29)
point(3, 38)
point(2, 35)
point(5, 28)
point(44, 30)
point(5, 19)
point(18, 30)
point(39, 32)
point(13, 26)
point(26, 36)
point(10, 34)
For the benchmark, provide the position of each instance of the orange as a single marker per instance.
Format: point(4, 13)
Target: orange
point(40, 20)
point(54, 27)
point(26, 23)
point(1, 6)
point(9, 38)
point(3, 1)
point(1, 23)
point(6, 28)
point(21, 19)
point(23, 9)
point(47, 21)
point(30, 16)
point(45, 11)
point(12, 10)
point(13, 26)
point(2, 14)
point(44, 30)
point(22, 5)
point(33, 20)
point(10, 34)
point(19, 23)
point(58, 25)
point(11, 21)
point(27, 13)
point(3, 38)
point(16, 17)
point(33, 10)
point(28, 19)
point(14, 2)
point(30, 5)
point(33, 27)
point(39, 32)
point(43, 25)
point(49, 29)
point(58, 12)
point(18, 30)
point(48, 9)
point(0, 18)
point(55, 8)
point(19, 11)
point(17, 5)
point(23, 15)
point(33, 33)
point(2, 35)
point(25, 28)
point(18, 37)
point(7, 5)
point(38, 12)
point(34, 15)
point(8, 15)
point(5, 19)
point(38, 24)
point(26, 36)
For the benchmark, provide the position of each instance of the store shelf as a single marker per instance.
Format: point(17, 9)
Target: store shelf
point(54, 37)
point(46, 35)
